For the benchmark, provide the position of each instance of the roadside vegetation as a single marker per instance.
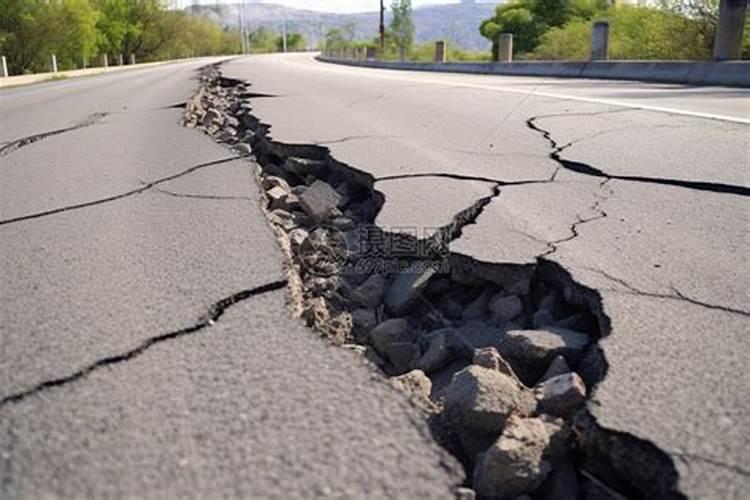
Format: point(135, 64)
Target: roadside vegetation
point(561, 29)
point(79, 31)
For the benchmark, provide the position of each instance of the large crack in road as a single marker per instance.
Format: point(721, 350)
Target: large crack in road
point(501, 357)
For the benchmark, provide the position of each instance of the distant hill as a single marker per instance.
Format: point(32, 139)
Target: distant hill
point(457, 23)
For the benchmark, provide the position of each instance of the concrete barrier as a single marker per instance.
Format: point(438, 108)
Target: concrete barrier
point(725, 73)
point(41, 77)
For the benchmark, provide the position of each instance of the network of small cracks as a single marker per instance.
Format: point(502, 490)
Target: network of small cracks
point(212, 315)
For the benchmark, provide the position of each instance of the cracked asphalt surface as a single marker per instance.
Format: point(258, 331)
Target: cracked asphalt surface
point(639, 190)
point(147, 350)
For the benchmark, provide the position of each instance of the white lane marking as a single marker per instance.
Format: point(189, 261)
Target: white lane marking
point(327, 67)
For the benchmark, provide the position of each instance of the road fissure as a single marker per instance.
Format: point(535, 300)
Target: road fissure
point(441, 326)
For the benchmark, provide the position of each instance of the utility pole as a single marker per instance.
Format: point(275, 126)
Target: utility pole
point(283, 34)
point(728, 40)
point(382, 29)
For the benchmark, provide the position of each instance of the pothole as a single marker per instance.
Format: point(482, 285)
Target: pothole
point(500, 357)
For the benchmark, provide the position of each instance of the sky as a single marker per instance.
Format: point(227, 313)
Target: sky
point(331, 5)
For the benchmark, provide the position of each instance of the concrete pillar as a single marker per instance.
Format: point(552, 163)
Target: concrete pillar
point(440, 51)
point(600, 41)
point(505, 47)
point(728, 40)
point(53, 63)
point(105, 60)
point(4, 67)
point(119, 60)
point(131, 59)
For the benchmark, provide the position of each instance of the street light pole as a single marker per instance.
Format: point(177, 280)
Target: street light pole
point(382, 29)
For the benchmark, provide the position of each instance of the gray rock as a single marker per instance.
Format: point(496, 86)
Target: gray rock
point(562, 483)
point(363, 320)
point(561, 396)
point(475, 443)
point(417, 385)
point(477, 335)
point(319, 201)
point(488, 357)
point(297, 237)
point(443, 348)
point(514, 465)
point(463, 493)
point(212, 117)
point(406, 289)
point(560, 437)
point(302, 167)
point(520, 287)
point(481, 400)
point(535, 349)
point(543, 318)
point(277, 198)
point(478, 308)
point(557, 367)
point(369, 293)
point(343, 223)
point(505, 308)
point(402, 355)
point(388, 332)
point(271, 181)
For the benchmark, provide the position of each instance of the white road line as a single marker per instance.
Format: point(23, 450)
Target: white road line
point(391, 75)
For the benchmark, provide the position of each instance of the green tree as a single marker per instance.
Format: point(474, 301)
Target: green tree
point(528, 20)
point(294, 42)
point(401, 29)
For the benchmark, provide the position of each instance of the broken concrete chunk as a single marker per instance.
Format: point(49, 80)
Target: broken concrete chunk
point(488, 357)
point(271, 181)
point(560, 433)
point(477, 335)
point(481, 400)
point(389, 332)
point(443, 348)
point(561, 396)
point(535, 349)
point(465, 494)
point(363, 320)
point(277, 198)
point(319, 201)
point(212, 117)
point(514, 465)
point(303, 167)
point(478, 308)
point(505, 308)
point(297, 236)
point(402, 355)
point(417, 385)
point(406, 288)
point(557, 367)
point(369, 293)
point(343, 223)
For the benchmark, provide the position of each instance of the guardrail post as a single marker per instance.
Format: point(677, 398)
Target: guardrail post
point(119, 60)
point(53, 63)
point(440, 51)
point(728, 40)
point(105, 60)
point(371, 53)
point(4, 69)
point(505, 47)
point(131, 60)
point(600, 41)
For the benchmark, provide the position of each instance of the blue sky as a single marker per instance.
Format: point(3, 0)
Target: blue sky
point(332, 5)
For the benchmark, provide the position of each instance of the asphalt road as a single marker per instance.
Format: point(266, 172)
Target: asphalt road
point(146, 347)
point(649, 206)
